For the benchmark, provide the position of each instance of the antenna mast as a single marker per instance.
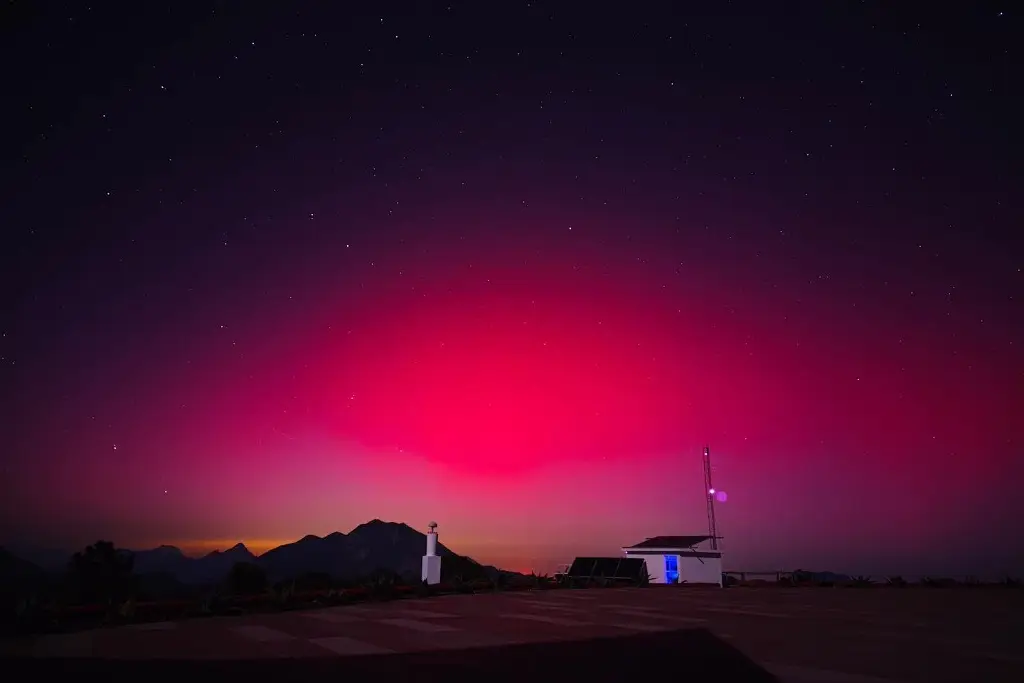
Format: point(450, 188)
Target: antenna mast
point(709, 492)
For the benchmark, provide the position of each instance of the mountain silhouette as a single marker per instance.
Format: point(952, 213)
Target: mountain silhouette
point(215, 566)
point(165, 559)
point(50, 560)
point(17, 577)
point(13, 569)
point(369, 548)
point(375, 546)
point(328, 555)
point(389, 546)
point(171, 561)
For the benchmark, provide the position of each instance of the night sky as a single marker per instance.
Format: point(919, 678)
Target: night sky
point(272, 269)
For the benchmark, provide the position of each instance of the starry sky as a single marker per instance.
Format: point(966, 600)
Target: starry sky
point(281, 269)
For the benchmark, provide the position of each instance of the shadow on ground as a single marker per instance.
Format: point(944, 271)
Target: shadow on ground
point(692, 653)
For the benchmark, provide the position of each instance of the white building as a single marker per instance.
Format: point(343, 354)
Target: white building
point(677, 559)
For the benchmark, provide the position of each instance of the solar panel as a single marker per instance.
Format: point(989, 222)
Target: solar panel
point(615, 570)
point(671, 542)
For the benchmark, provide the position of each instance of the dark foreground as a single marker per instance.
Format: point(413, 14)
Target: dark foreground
point(737, 634)
point(605, 659)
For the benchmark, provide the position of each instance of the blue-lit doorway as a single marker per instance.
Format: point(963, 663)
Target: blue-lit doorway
point(671, 569)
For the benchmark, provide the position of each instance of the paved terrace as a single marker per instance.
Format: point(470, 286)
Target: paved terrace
point(803, 635)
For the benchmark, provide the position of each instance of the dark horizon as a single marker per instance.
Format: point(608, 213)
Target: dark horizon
point(50, 558)
point(275, 270)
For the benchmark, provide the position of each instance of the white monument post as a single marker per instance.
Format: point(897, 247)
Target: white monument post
point(431, 561)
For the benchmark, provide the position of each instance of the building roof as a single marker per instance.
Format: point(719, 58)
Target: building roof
point(670, 542)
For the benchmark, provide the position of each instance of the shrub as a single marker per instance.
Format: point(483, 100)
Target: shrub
point(314, 581)
point(246, 578)
point(381, 584)
point(932, 582)
point(540, 581)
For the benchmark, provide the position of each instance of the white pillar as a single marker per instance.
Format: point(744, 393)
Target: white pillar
point(431, 561)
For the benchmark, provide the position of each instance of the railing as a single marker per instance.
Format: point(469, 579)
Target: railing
point(801, 577)
point(768, 575)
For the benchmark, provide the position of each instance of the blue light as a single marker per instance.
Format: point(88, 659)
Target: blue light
point(671, 569)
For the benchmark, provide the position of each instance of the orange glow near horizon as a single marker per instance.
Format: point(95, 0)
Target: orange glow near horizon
point(200, 547)
point(481, 551)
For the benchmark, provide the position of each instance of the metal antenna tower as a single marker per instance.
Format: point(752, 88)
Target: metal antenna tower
point(709, 492)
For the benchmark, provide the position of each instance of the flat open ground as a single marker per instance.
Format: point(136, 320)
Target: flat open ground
point(800, 635)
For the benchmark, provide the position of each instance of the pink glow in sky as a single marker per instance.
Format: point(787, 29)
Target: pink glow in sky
point(539, 408)
point(280, 272)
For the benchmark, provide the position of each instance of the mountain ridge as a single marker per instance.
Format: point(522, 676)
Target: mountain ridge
point(372, 546)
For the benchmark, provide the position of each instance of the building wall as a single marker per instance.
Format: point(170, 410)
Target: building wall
point(655, 568)
point(691, 569)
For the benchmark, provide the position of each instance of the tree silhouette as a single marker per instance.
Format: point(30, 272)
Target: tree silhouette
point(101, 572)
